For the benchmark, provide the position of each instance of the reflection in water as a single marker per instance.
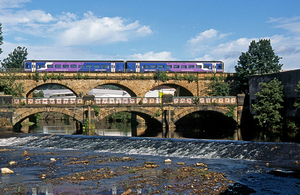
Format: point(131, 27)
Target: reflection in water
point(103, 128)
point(55, 127)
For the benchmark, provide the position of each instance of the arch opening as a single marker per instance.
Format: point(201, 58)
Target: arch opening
point(206, 125)
point(111, 90)
point(140, 122)
point(48, 123)
point(52, 91)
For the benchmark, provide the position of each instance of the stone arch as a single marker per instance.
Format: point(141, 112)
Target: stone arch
point(20, 115)
point(187, 111)
point(123, 86)
point(32, 89)
point(137, 110)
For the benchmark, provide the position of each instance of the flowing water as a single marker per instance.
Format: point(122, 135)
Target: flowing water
point(267, 168)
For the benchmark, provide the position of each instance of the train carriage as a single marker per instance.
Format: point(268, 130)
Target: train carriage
point(121, 66)
point(74, 66)
point(175, 66)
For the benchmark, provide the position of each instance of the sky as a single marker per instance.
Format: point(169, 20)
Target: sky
point(150, 30)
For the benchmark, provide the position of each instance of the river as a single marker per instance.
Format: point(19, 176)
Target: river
point(264, 167)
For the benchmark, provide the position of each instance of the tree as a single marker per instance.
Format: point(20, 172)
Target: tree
point(297, 104)
point(218, 86)
point(15, 59)
point(268, 104)
point(1, 37)
point(260, 59)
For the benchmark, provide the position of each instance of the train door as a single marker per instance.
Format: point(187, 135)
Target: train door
point(113, 67)
point(214, 67)
point(137, 67)
point(33, 67)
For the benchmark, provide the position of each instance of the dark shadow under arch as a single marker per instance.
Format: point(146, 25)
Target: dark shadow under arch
point(206, 125)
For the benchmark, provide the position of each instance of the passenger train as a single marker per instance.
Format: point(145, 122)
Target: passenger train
point(122, 66)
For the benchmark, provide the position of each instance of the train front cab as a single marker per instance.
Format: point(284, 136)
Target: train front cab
point(30, 66)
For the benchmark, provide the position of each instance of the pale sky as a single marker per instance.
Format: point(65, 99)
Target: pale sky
point(150, 30)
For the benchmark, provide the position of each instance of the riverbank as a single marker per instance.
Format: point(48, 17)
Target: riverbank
point(75, 172)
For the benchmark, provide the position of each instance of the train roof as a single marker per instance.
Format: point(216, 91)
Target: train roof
point(74, 61)
point(165, 61)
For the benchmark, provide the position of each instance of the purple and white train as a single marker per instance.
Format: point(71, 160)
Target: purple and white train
point(122, 66)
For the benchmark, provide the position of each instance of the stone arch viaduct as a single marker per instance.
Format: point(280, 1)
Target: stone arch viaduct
point(137, 85)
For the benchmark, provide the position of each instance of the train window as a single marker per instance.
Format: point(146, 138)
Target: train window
point(66, 66)
point(89, 66)
point(117, 66)
point(80, 66)
point(73, 66)
point(57, 66)
point(191, 66)
point(207, 66)
point(169, 66)
point(104, 66)
point(160, 66)
point(198, 66)
point(153, 66)
point(219, 67)
point(97, 66)
point(50, 66)
point(41, 66)
point(183, 66)
point(176, 66)
point(146, 66)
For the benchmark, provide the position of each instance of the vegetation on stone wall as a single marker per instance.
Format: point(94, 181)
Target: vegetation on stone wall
point(230, 113)
point(217, 86)
point(9, 87)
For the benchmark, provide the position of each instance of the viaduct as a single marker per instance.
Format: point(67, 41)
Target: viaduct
point(192, 96)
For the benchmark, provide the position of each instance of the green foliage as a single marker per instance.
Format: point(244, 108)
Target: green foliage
point(1, 37)
point(217, 86)
point(9, 87)
point(86, 76)
point(161, 76)
point(131, 171)
point(78, 76)
point(37, 117)
point(60, 76)
point(186, 77)
point(268, 104)
point(38, 94)
point(196, 100)
point(230, 112)
point(297, 104)
point(192, 78)
point(260, 59)
point(158, 113)
point(45, 77)
point(140, 102)
point(36, 76)
point(96, 110)
point(15, 59)
point(53, 76)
